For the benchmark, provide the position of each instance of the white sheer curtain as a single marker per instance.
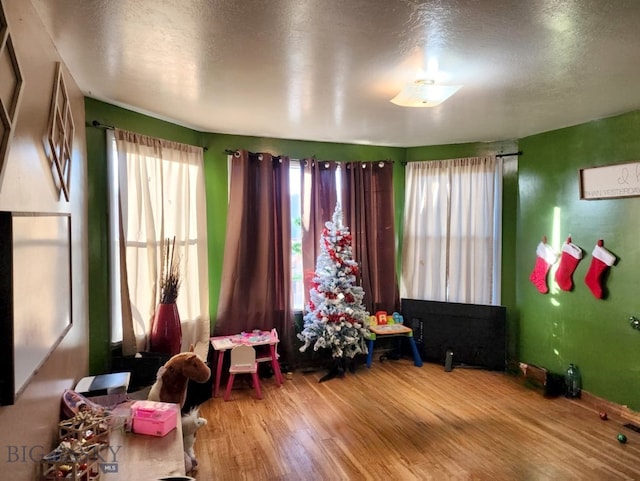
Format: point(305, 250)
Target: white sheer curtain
point(452, 230)
point(161, 195)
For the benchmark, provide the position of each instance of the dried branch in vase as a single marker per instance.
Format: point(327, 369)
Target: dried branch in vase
point(169, 272)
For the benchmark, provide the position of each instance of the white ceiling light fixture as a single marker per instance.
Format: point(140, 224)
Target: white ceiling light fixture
point(424, 93)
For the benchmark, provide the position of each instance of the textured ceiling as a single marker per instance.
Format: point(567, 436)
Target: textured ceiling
point(326, 69)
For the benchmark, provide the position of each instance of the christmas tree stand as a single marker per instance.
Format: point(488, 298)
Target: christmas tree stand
point(339, 368)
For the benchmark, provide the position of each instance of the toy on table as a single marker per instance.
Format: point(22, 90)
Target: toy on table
point(191, 422)
point(253, 337)
point(81, 438)
point(173, 377)
point(394, 324)
point(74, 402)
point(154, 418)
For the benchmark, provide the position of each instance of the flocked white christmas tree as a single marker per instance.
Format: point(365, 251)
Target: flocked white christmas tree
point(335, 317)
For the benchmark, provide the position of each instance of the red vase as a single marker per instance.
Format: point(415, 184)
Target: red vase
point(166, 331)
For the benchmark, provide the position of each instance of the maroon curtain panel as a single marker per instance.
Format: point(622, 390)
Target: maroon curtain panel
point(255, 290)
point(368, 209)
point(318, 196)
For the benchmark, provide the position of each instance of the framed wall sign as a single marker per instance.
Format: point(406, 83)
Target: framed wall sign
point(610, 181)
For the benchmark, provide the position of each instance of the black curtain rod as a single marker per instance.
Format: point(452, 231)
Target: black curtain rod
point(98, 125)
point(232, 152)
point(313, 157)
point(508, 155)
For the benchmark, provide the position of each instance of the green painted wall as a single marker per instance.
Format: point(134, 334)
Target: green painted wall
point(561, 327)
point(97, 227)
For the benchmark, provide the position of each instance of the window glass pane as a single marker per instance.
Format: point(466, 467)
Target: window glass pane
point(114, 247)
point(297, 288)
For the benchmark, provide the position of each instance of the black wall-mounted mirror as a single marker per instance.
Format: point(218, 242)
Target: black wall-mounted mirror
point(35, 294)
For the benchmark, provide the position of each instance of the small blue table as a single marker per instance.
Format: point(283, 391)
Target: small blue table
point(389, 330)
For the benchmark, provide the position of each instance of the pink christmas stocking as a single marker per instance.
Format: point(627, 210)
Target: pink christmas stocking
point(545, 257)
point(602, 260)
point(571, 255)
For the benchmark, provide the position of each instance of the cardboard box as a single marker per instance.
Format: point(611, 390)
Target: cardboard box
point(542, 380)
point(154, 418)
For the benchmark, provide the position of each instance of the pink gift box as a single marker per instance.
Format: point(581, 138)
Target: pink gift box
point(154, 418)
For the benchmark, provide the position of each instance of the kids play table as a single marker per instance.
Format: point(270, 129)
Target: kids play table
point(222, 344)
point(389, 330)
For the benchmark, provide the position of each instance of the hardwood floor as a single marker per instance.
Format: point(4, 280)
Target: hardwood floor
point(399, 422)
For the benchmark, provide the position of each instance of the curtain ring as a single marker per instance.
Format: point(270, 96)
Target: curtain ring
point(236, 154)
point(305, 162)
point(364, 165)
point(326, 165)
point(380, 164)
point(260, 157)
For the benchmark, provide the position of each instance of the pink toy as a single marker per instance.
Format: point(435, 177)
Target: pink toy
point(154, 418)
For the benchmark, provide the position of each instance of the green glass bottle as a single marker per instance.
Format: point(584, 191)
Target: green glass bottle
point(573, 382)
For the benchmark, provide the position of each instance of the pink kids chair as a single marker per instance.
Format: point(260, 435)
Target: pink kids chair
point(243, 361)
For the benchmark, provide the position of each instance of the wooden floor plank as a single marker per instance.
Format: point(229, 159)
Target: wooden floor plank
point(399, 422)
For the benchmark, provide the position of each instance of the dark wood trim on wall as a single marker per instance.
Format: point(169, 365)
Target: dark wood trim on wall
point(7, 381)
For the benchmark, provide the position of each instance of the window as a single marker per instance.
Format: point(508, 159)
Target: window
point(452, 230)
point(297, 275)
point(156, 191)
point(297, 270)
point(113, 173)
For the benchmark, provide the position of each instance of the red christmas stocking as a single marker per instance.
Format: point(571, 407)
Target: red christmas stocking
point(602, 260)
point(545, 257)
point(571, 255)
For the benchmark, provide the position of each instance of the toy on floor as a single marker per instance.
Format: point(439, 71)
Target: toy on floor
point(191, 422)
point(173, 377)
